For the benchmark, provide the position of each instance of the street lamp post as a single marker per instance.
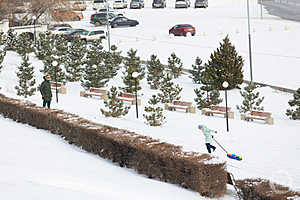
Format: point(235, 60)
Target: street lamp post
point(225, 85)
point(54, 63)
point(34, 32)
point(108, 29)
point(135, 75)
point(249, 36)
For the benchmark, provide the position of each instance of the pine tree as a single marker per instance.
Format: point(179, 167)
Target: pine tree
point(175, 65)
point(197, 71)
point(24, 44)
point(294, 113)
point(2, 38)
point(205, 99)
point(44, 45)
point(132, 63)
point(155, 72)
point(95, 73)
point(251, 100)
point(155, 113)
point(112, 61)
point(75, 59)
point(11, 40)
point(225, 65)
point(2, 55)
point(169, 91)
point(116, 107)
point(55, 50)
point(26, 78)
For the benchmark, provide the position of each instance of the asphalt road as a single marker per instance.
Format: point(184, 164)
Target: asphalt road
point(286, 9)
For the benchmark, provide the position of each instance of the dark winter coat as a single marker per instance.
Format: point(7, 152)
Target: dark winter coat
point(45, 90)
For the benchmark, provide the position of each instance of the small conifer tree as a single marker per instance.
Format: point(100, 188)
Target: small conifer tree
point(112, 61)
point(155, 72)
point(26, 78)
point(294, 113)
point(225, 65)
point(44, 45)
point(205, 99)
point(24, 44)
point(169, 91)
point(197, 71)
point(175, 65)
point(11, 40)
point(155, 113)
point(132, 63)
point(95, 76)
point(2, 55)
point(116, 107)
point(251, 100)
point(75, 59)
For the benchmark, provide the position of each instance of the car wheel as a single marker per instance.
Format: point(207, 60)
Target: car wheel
point(115, 25)
point(171, 35)
point(76, 18)
point(188, 34)
point(97, 24)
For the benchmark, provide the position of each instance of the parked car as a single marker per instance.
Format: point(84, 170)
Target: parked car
point(97, 4)
point(93, 35)
point(73, 33)
point(123, 21)
point(201, 3)
point(110, 10)
point(159, 4)
point(60, 25)
point(60, 30)
point(79, 6)
point(119, 4)
point(137, 4)
point(182, 30)
point(66, 15)
point(101, 18)
point(182, 4)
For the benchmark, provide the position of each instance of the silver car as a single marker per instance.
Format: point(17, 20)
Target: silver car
point(137, 4)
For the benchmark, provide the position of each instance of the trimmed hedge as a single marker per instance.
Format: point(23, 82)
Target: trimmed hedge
point(261, 189)
point(199, 172)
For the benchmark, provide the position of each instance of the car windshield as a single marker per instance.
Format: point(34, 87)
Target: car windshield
point(200, 0)
point(135, 0)
point(187, 26)
point(179, 0)
point(98, 1)
point(157, 1)
point(118, 1)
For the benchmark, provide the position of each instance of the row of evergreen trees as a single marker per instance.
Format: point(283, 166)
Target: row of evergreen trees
point(94, 67)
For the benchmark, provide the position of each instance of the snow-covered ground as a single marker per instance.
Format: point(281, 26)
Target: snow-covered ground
point(268, 151)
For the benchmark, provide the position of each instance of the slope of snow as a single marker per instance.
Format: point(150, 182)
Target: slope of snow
point(268, 151)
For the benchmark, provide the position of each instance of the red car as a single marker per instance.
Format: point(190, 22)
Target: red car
point(183, 30)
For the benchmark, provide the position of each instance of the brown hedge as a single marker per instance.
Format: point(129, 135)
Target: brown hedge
point(262, 189)
point(199, 172)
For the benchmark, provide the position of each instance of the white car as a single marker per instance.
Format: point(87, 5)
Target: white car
point(97, 4)
point(120, 4)
point(111, 10)
point(88, 36)
point(60, 30)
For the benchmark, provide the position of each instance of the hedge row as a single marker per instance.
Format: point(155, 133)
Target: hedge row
point(199, 172)
point(261, 189)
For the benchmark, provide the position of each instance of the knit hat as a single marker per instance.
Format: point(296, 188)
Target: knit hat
point(200, 126)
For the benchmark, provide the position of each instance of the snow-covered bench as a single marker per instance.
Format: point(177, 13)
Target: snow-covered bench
point(98, 92)
point(186, 106)
point(130, 98)
point(217, 110)
point(265, 116)
point(60, 87)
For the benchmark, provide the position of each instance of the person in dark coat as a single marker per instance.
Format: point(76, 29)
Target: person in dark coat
point(45, 90)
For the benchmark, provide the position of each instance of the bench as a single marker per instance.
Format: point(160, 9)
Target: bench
point(130, 98)
point(60, 87)
point(98, 92)
point(186, 106)
point(265, 116)
point(210, 111)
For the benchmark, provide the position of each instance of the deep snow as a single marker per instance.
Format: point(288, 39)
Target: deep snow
point(268, 151)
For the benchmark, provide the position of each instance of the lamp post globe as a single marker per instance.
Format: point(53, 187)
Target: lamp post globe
point(225, 84)
point(135, 74)
point(54, 63)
